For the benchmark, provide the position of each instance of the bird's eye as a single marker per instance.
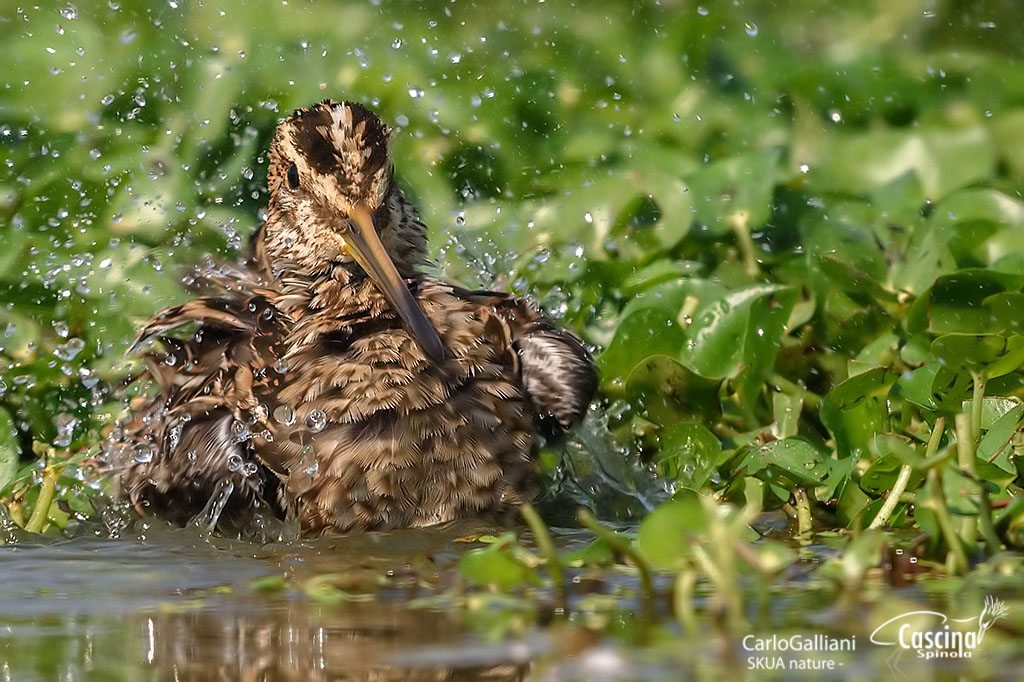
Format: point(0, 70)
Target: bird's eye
point(293, 176)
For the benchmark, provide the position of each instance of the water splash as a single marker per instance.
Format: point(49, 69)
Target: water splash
point(206, 520)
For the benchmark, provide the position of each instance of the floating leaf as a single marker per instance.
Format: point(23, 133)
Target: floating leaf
point(493, 565)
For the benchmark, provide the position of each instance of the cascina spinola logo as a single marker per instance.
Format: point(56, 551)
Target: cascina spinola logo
point(934, 635)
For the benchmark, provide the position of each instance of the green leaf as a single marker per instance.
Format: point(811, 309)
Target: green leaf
point(644, 333)
point(943, 158)
point(786, 408)
point(494, 566)
point(794, 458)
point(667, 392)
point(994, 445)
point(658, 272)
point(851, 280)
point(881, 352)
point(597, 553)
point(741, 183)
point(979, 224)
point(956, 303)
point(672, 295)
point(934, 387)
point(852, 501)
point(665, 535)
point(856, 409)
point(742, 330)
point(689, 454)
point(838, 477)
point(988, 354)
point(882, 473)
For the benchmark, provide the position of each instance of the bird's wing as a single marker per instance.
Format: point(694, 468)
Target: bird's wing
point(556, 370)
point(202, 427)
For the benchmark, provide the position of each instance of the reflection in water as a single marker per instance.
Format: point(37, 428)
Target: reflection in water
point(177, 608)
point(302, 642)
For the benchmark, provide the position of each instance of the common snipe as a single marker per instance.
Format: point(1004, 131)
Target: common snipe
point(327, 378)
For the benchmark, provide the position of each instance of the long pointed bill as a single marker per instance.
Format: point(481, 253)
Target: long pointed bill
point(365, 247)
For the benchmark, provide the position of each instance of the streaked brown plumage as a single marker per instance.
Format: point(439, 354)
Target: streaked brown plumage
point(330, 384)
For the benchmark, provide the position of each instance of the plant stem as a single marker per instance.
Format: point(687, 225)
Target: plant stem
point(967, 456)
point(894, 497)
point(935, 438)
point(17, 512)
point(957, 559)
point(46, 491)
point(966, 449)
point(625, 547)
point(547, 548)
point(721, 576)
point(812, 400)
point(931, 458)
point(682, 599)
point(803, 511)
point(740, 224)
point(976, 405)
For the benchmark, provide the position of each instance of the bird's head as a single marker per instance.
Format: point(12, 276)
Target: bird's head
point(332, 200)
point(334, 156)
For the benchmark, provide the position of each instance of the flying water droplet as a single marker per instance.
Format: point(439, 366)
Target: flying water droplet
point(65, 430)
point(301, 478)
point(174, 436)
point(142, 453)
point(68, 351)
point(284, 414)
point(316, 421)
